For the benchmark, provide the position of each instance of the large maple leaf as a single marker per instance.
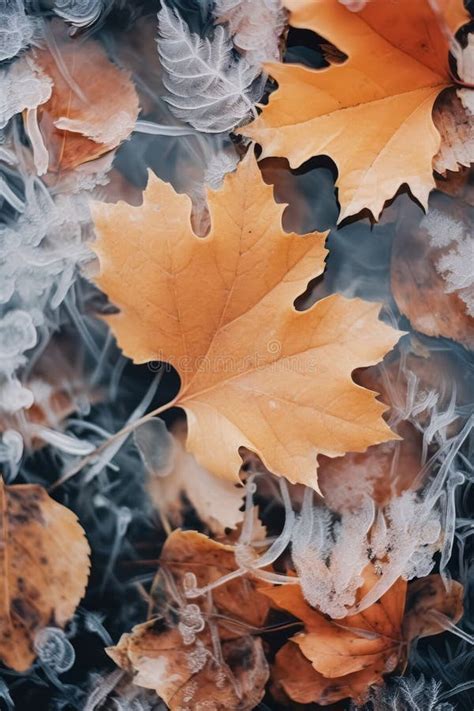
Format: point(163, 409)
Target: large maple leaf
point(372, 114)
point(254, 372)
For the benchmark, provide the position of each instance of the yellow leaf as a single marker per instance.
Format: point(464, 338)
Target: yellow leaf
point(44, 567)
point(371, 114)
point(254, 372)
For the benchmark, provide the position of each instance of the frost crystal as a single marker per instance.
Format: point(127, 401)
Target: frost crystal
point(80, 13)
point(17, 335)
point(16, 29)
point(408, 537)
point(191, 623)
point(40, 252)
point(409, 694)
point(329, 558)
point(256, 27)
point(22, 86)
point(54, 649)
point(457, 265)
point(219, 165)
point(208, 87)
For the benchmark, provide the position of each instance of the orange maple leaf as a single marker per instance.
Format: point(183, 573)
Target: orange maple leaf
point(335, 659)
point(254, 372)
point(372, 114)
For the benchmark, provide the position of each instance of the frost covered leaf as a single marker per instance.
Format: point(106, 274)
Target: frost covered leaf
point(22, 86)
point(176, 477)
point(455, 123)
point(44, 560)
point(199, 653)
point(383, 95)
point(339, 659)
point(381, 473)
point(254, 372)
point(256, 28)
point(93, 106)
point(207, 86)
point(335, 659)
point(185, 675)
point(432, 279)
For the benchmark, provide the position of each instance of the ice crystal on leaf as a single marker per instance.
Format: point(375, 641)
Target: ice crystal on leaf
point(16, 28)
point(329, 558)
point(22, 86)
point(454, 265)
point(208, 87)
point(17, 335)
point(330, 555)
point(255, 27)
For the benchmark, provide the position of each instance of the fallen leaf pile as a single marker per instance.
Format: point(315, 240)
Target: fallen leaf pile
point(236, 335)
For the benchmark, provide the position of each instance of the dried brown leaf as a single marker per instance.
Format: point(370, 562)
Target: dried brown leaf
point(90, 111)
point(44, 564)
point(345, 657)
point(220, 666)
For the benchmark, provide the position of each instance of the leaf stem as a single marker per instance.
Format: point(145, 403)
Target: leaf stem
point(124, 432)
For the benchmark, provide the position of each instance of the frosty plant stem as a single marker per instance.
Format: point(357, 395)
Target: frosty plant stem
point(125, 431)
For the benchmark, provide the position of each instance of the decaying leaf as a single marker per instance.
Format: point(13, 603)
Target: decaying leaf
point(208, 560)
point(44, 560)
point(429, 603)
point(455, 124)
point(381, 473)
point(93, 106)
point(422, 254)
point(254, 372)
point(332, 660)
point(176, 478)
point(199, 653)
point(191, 677)
point(372, 114)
